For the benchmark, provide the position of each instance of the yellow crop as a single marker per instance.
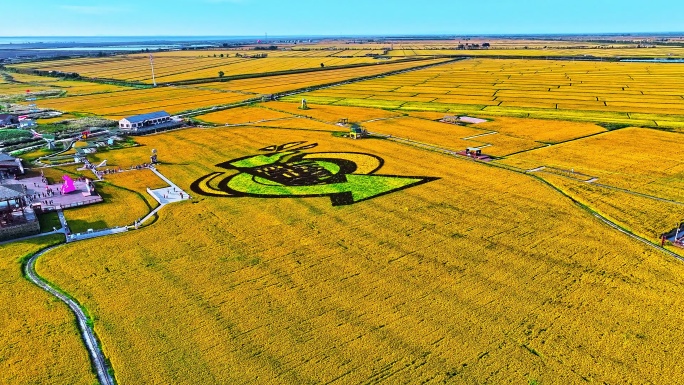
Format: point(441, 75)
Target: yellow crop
point(172, 68)
point(333, 114)
point(484, 275)
point(647, 217)
point(642, 160)
point(243, 115)
point(39, 341)
point(586, 91)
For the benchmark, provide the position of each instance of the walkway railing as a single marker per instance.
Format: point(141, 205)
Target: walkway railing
point(96, 233)
point(70, 205)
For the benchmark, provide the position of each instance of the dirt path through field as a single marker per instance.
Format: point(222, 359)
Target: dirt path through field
point(96, 356)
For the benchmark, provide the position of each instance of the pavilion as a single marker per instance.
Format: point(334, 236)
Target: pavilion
point(17, 219)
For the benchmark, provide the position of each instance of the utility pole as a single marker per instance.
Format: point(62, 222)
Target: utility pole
point(152, 66)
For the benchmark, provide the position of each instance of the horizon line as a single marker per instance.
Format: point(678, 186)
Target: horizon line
point(375, 35)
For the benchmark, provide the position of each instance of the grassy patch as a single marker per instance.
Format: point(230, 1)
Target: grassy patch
point(48, 222)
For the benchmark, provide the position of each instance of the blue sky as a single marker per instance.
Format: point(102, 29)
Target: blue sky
point(334, 17)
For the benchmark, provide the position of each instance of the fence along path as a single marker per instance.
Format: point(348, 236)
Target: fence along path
point(97, 358)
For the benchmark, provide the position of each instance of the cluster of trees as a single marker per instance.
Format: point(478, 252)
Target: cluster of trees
point(269, 48)
point(255, 56)
point(473, 46)
point(54, 74)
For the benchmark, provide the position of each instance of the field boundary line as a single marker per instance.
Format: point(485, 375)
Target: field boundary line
point(97, 357)
point(636, 193)
point(638, 238)
point(277, 95)
point(289, 72)
point(582, 206)
point(480, 135)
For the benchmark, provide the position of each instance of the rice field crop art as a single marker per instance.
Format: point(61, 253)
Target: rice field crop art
point(483, 267)
point(285, 171)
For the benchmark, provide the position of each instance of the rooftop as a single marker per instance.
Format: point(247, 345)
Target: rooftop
point(6, 157)
point(11, 192)
point(150, 116)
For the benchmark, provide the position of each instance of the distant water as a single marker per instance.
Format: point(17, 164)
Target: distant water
point(138, 47)
point(106, 40)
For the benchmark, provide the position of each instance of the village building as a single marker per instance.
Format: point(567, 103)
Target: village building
point(17, 219)
point(148, 122)
point(8, 120)
point(10, 165)
point(27, 123)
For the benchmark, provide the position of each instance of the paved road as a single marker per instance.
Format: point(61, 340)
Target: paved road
point(87, 333)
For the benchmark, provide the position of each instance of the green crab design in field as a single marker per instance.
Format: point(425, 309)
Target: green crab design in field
point(287, 171)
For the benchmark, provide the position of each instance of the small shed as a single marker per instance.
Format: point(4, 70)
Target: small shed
point(476, 151)
point(450, 119)
point(27, 123)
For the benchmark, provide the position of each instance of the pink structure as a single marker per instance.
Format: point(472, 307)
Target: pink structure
point(68, 185)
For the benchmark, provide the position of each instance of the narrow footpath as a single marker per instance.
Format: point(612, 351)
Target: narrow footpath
point(87, 333)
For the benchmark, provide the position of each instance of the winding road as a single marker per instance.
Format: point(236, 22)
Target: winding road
point(96, 356)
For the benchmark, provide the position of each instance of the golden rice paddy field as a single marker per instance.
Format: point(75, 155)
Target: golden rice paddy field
point(487, 274)
point(646, 217)
point(39, 341)
point(320, 51)
point(276, 111)
point(482, 276)
point(283, 83)
point(171, 67)
point(500, 136)
point(520, 51)
point(544, 131)
point(333, 114)
point(31, 83)
point(244, 115)
point(629, 93)
point(14, 89)
point(116, 105)
point(426, 131)
point(636, 159)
